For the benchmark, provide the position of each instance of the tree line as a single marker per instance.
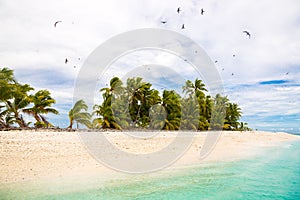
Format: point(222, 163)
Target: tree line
point(133, 105)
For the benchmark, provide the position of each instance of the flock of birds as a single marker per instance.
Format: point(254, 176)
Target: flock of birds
point(178, 11)
point(202, 13)
point(182, 27)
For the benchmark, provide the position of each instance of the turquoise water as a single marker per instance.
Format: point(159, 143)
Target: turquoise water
point(274, 174)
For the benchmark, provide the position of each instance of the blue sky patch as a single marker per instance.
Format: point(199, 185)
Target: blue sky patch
point(273, 82)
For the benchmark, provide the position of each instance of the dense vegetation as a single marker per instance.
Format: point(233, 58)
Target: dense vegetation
point(133, 105)
point(15, 101)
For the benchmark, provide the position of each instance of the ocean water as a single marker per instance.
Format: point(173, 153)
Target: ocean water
point(273, 174)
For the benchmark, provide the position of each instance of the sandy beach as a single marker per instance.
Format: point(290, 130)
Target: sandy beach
point(30, 155)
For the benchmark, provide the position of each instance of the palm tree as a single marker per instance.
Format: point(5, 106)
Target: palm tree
point(105, 111)
point(13, 97)
point(135, 88)
point(42, 102)
point(171, 101)
point(20, 99)
point(218, 113)
point(197, 89)
point(7, 82)
point(233, 114)
point(244, 127)
point(158, 116)
point(79, 114)
point(105, 115)
point(132, 106)
point(190, 113)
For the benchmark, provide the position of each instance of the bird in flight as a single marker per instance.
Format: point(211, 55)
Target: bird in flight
point(178, 10)
point(287, 73)
point(233, 55)
point(182, 27)
point(66, 61)
point(232, 74)
point(202, 11)
point(247, 33)
point(216, 61)
point(56, 23)
point(163, 22)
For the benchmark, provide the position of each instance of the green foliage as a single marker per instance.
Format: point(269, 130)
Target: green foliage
point(233, 114)
point(105, 117)
point(171, 101)
point(7, 82)
point(218, 112)
point(137, 105)
point(18, 102)
point(133, 105)
point(80, 115)
point(15, 101)
point(42, 102)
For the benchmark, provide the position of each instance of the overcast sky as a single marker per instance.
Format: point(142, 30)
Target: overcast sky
point(262, 77)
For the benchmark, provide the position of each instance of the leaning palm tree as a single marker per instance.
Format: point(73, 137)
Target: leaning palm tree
point(79, 114)
point(42, 102)
point(7, 82)
point(19, 101)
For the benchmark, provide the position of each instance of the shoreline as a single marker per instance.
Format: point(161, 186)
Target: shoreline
point(29, 156)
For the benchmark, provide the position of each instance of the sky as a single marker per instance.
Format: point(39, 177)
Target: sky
point(262, 77)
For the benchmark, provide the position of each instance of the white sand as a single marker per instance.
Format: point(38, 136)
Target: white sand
point(30, 155)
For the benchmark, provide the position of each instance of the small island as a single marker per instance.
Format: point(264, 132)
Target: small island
point(134, 105)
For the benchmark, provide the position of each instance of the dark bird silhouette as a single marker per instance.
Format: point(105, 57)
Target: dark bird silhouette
point(178, 10)
point(233, 55)
point(202, 11)
point(287, 73)
point(182, 27)
point(163, 22)
point(232, 74)
point(216, 61)
point(66, 61)
point(247, 33)
point(56, 23)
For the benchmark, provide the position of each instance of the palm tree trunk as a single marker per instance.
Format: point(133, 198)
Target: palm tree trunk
point(71, 124)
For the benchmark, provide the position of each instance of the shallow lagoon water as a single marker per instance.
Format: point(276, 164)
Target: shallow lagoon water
point(272, 174)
